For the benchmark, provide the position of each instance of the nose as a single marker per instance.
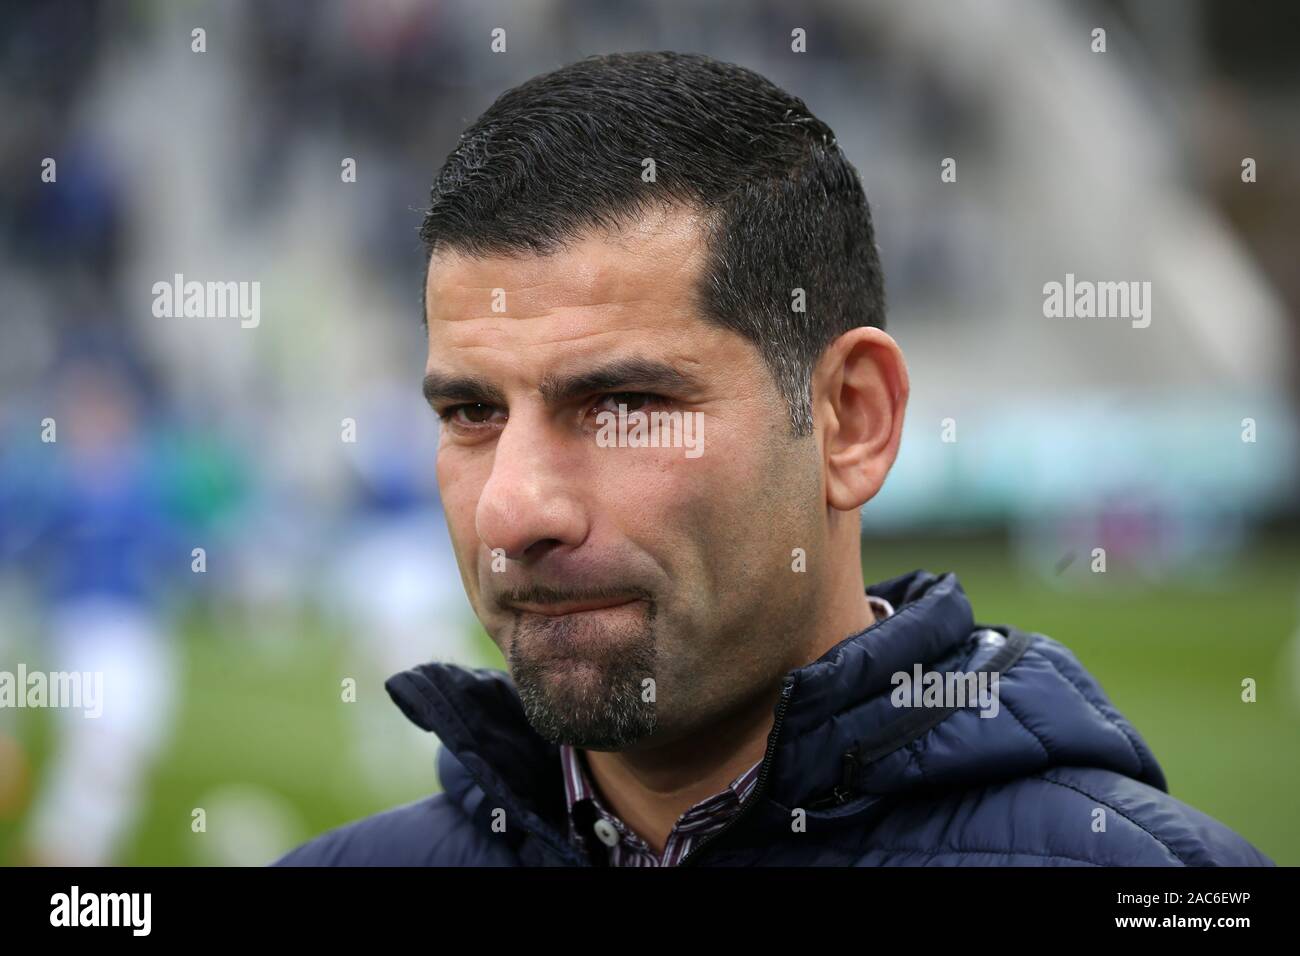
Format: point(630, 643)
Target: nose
point(531, 501)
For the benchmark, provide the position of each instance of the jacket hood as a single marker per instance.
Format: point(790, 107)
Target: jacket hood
point(839, 732)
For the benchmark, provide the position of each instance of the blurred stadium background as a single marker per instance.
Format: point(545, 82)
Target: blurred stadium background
point(328, 560)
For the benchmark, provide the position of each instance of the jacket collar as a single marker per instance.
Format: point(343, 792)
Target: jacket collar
point(834, 702)
point(477, 715)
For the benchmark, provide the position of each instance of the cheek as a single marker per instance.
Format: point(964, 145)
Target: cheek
point(459, 487)
point(690, 514)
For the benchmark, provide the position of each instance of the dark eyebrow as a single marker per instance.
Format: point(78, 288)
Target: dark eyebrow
point(460, 388)
point(624, 375)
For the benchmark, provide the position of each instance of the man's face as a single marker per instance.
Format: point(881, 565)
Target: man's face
point(637, 593)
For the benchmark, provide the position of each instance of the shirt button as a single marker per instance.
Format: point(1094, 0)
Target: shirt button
point(605, 832)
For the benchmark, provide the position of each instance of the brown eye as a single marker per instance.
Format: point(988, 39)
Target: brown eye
point(472, 413)
point(633, 400)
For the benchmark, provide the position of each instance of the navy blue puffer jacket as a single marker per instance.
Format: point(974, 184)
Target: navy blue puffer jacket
point(1057, 777)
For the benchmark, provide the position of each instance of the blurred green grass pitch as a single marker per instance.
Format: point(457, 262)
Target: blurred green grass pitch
point(253, 712)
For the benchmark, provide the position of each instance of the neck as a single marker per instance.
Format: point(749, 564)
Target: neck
point(650, 789)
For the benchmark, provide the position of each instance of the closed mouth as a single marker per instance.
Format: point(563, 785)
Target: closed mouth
point(558, 609)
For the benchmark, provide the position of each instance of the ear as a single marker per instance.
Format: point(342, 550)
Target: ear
point(860, 389)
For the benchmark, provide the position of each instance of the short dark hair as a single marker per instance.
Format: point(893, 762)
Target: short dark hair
point(561, 155)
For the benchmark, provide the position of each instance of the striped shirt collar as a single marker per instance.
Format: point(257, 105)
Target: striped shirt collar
point(594, 827)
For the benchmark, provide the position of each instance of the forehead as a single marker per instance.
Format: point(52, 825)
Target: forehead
point(608, 277)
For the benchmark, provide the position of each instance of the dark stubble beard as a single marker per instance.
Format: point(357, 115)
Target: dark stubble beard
point(582, 682)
